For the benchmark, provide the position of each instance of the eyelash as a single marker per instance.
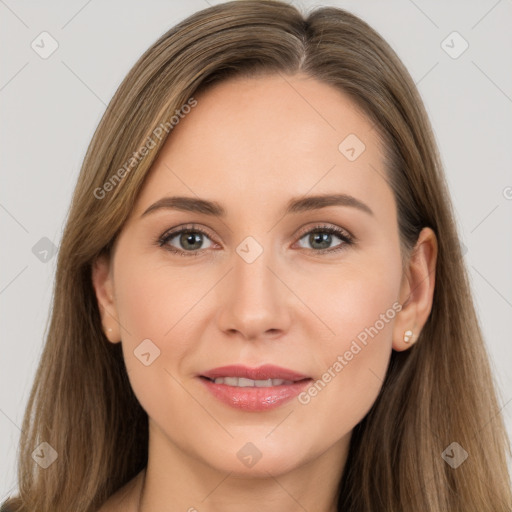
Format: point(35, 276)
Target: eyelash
point(320, 228)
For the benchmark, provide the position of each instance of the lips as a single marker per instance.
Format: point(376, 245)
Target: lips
point(254, 389)
point(265, 372)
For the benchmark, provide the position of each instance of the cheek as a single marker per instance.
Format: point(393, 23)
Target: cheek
point(354, 352)
point(362, 312)
point(353, 366)
point(154, 309)
point(154, 301)
point(356, 300)
point(362, 323)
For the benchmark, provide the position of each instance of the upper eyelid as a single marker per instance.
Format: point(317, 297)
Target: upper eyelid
point(319, 226)
point(172, 232)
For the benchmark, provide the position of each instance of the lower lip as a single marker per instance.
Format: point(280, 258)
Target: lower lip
point(253, 398)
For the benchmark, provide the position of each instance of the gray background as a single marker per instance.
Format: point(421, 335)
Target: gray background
point(50, 108)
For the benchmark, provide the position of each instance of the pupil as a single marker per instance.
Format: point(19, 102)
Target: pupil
point(324, 238)
point(191, 238)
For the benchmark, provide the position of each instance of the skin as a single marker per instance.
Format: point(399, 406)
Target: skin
point(251, 145)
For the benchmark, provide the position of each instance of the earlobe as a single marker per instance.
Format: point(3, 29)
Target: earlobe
point(104, 289)
point(405, 332)
point(417, 291)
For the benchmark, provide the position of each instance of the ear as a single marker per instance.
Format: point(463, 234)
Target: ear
point(416, 291)
point(104, 287)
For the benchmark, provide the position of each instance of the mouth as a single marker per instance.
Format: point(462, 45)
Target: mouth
point(242, 382)
point(254, 389)
point(261, 375)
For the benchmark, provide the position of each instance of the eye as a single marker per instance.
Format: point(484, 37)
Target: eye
point(189, 240)
point(321, 237)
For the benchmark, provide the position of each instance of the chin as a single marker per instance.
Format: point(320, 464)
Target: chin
point(257, 458)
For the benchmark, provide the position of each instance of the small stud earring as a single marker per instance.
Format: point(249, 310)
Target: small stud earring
point(407, 336)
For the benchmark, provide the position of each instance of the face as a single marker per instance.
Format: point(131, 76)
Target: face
point(315, 289)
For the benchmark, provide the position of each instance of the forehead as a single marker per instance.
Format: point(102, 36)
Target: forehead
point(256, 142)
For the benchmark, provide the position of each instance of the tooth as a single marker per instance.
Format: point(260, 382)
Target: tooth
point(245, 383)
point(263, 383)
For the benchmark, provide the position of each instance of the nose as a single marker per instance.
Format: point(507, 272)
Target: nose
point(254, 301)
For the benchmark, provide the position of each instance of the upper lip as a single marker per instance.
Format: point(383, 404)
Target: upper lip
point(264, 372)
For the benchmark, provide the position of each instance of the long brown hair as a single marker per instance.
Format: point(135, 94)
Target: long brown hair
point(438, 392)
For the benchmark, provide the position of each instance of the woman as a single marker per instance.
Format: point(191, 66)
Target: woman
point(260, 296)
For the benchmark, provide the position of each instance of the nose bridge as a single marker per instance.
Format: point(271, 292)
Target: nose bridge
point(252, 299)
point(251, 270)
point(252, 280)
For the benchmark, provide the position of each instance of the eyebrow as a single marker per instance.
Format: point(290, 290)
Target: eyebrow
point(295, 205)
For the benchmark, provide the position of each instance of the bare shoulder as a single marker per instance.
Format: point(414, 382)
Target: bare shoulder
point(124, 499)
